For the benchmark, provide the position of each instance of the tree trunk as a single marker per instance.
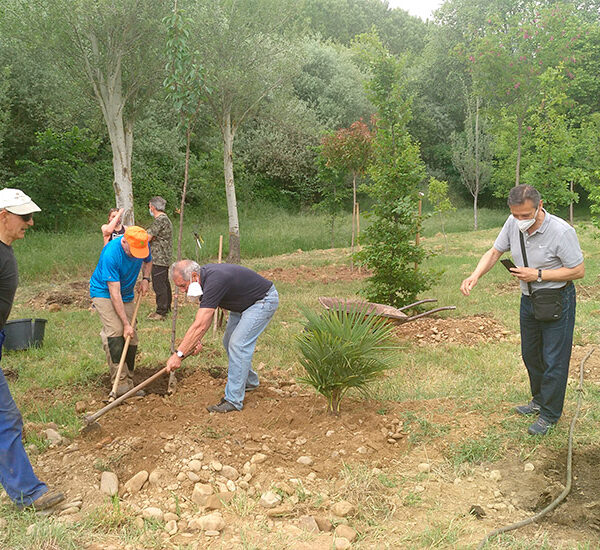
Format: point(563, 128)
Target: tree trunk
point(353, 220)
point(108, 90)
point(571, 205)
point(333, 217)
point(519, 136)
point(476, 164)
point(121, 141)
point(234, 255)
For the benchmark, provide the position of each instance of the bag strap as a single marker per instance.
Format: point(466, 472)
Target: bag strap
point(524, 253)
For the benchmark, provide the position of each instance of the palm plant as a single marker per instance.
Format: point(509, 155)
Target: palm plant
point(342, 350)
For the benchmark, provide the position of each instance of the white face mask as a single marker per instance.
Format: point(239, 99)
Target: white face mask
point(194, 290)
point(524, 225)
point(149, 210)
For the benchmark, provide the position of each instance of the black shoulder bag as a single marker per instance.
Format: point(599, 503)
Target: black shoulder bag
point(547, 302)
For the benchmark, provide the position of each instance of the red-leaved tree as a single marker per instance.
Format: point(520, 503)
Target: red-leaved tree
point(349, 149)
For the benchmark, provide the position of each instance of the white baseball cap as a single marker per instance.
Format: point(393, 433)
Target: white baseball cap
point(17, 202)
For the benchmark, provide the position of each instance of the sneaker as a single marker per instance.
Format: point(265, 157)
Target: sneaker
point(539, 427)
point(223, 406)
point(530, 408)
point(251, 388)
point(47, 500)
point(156, 317)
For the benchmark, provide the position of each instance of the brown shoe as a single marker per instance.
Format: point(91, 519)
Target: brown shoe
point(156, 317)
point(47, 500)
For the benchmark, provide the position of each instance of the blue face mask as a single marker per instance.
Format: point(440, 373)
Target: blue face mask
point(150, 212)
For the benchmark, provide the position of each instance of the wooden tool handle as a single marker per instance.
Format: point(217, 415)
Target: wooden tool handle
point(92, 417)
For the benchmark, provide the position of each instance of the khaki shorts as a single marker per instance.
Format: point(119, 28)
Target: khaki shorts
point(112, 325)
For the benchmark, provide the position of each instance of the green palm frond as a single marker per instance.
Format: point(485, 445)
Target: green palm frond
point(342, 350)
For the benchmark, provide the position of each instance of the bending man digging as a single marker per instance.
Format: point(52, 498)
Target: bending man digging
point(251, 300)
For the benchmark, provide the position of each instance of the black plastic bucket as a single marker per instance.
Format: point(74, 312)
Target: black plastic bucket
point(24, 333)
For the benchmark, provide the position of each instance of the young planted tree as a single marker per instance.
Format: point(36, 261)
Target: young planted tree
point(472, 154)
point(349, 149)
point(437, 194)
point(389, 247)
point(333, 192)
point(342, 350)
point(248, 56)
point(185, 88)
point(108, 49)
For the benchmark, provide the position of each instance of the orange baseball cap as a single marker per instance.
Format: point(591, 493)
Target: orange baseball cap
point(137, 238)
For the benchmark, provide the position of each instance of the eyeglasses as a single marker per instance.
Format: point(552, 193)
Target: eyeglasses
point(26, 217)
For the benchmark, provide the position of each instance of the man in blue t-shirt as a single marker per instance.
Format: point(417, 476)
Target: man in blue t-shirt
point(112, 289)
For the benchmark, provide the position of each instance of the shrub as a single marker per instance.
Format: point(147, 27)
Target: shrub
point(342, 350)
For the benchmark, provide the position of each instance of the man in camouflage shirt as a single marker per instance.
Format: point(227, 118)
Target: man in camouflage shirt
point(161, 245)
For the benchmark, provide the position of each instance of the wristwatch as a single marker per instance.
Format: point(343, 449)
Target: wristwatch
point(146, 279)
point(180, 354)
point(539, 279)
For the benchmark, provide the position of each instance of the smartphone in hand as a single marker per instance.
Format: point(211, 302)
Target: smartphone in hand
point(507, 264)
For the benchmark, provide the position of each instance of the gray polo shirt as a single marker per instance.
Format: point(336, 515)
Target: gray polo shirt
point(553, 245)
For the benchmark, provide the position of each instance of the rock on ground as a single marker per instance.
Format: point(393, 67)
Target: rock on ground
point(109, 483)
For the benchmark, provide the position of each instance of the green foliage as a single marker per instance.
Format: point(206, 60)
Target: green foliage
point(590, 147)
point(185, 80)
point(512, 55)
point(334, 192)
point(437, 194)
point(331, 84)
point(389, 248)
point(343, 350)
point(66, 177)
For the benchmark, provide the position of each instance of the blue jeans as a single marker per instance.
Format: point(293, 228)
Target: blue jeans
point(239, 340)
point(16, 474)
point(546, 350)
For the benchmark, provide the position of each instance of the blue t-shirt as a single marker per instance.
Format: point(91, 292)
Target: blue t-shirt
point(117, 267)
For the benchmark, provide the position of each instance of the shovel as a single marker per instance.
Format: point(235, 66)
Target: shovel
point(113, 393)
point(90, 420)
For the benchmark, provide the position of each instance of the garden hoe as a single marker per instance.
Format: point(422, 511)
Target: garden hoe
point(113, 393)
point(90, 420)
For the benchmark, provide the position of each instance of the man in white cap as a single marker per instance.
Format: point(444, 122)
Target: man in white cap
point(16, 474)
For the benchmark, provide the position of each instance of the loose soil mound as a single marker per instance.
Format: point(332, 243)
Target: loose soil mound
point(75, 294)
point(467, 331)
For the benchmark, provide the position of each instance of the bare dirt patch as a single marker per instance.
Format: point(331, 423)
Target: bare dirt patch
point(371, 455)
point(75, 294)
point(466, 331)
point(591, 369)
point(324, 274)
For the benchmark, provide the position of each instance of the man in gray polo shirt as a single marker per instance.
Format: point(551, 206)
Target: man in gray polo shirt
point(555, 259)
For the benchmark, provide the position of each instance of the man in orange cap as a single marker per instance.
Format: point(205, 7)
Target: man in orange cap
point(112, 289)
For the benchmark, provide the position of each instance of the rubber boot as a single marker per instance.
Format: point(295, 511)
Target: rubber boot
point(115, 346)
point(130, 362)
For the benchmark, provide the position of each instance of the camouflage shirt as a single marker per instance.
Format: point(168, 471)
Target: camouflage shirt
point(161, 244)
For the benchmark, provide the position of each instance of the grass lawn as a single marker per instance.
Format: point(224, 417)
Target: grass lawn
point(484, 380)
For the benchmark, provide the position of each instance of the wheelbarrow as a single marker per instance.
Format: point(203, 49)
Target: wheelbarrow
point(382, 310)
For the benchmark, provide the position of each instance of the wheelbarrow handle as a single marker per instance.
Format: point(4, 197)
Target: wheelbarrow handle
point(417, 303)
